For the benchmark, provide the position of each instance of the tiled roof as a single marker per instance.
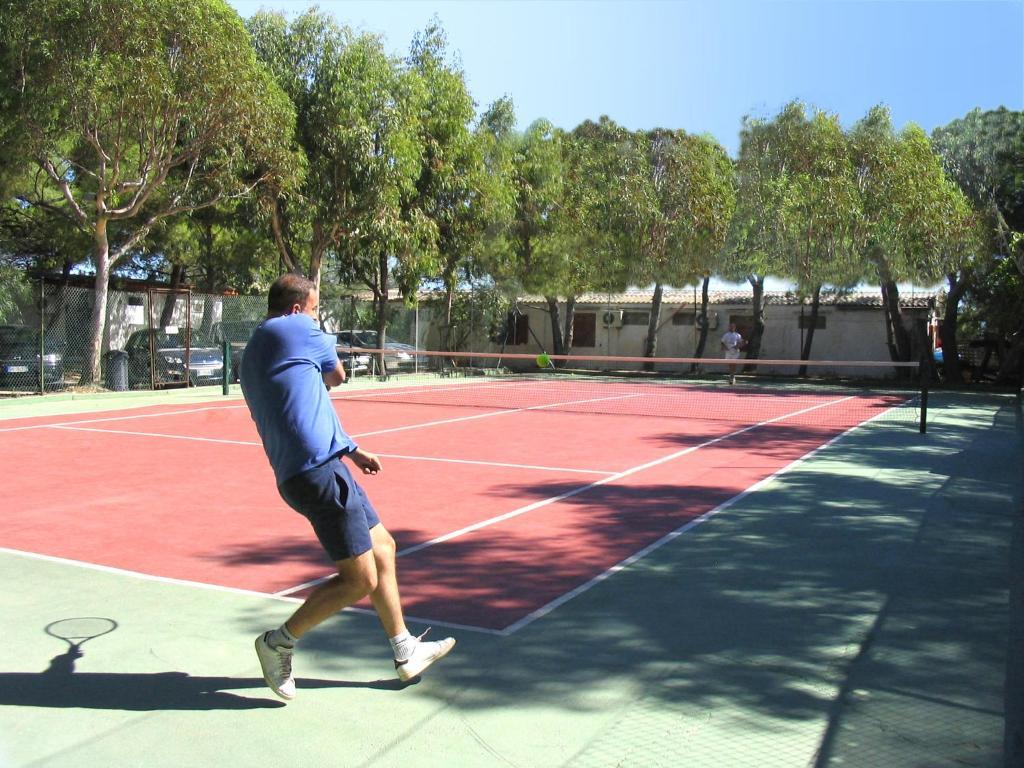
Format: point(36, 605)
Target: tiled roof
point(918, 299)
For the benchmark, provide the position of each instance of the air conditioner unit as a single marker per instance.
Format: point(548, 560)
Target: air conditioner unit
point(612, 318)
point(712, 321)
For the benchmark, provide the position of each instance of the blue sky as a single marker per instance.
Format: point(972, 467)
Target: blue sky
point(701, 66)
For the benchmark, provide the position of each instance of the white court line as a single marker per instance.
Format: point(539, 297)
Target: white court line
point(636, 556)
point(576, 491)
point(501, 412)
point(220, 588)
point(499, 464)
point(488, 414)
point(153, 434)
point(381, 455)
point(540, 612)
point(120, 418)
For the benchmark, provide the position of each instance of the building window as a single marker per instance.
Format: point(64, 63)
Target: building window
point(584, 329)
point(691, 318)
point(804, 321)
point(636, 318)
point(516, 330)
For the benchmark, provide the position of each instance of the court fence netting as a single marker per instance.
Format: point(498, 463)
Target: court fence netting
point(160, 338)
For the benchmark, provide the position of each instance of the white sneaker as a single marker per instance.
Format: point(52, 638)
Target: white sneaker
point(425, 654)
point(277, 667)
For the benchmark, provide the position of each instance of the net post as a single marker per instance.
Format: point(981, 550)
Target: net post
point(42, 336)
point(225, 349)
point(923, 372)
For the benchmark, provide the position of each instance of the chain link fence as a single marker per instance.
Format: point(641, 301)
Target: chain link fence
point(155, 337)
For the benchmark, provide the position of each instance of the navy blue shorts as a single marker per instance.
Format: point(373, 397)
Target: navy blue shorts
point(337, 507)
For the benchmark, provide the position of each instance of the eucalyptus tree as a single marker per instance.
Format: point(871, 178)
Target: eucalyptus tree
point(135, 111)
point(756, 235)
point(359, 133)
point(525, 258)
point(984, 153)
point(341, 85)
point(907, 219)
point(809, 166)
point(686, 202)
point(589, 246)
point(462, 188)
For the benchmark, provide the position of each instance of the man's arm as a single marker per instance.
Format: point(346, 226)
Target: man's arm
point(366, 461)
point(335, 377)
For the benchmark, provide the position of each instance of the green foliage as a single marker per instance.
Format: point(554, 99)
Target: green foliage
point(475, 312)
point(800, 201)
point(910, 211)
point(16, 293)
point(995, 304)
point(135, 111)
point(984, 153)
point(686, 201)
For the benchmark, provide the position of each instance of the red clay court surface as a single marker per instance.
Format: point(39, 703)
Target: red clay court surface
point(500, 514)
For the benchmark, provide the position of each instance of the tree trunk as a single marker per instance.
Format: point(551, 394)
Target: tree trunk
point(1011, 360)
point(757, 307)
point(316, 255)
point(805, 352)
point(651, 343)
point(702, 321)
point(950, 319)
point(556, 326)
point(167, 313)
point(899, 344)
point(570, 313)
point(381, 297)
point(98, 321)
point(446, 328)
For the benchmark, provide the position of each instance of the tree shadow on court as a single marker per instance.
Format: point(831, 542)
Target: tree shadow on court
point(880, 566)
point(307, 552)
point(61, 686)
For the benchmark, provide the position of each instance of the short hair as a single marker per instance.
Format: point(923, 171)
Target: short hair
point(287, 291)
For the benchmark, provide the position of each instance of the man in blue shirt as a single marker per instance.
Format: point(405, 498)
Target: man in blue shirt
point(288, 366)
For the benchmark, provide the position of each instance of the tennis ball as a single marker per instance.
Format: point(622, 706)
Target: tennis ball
point(543, 361)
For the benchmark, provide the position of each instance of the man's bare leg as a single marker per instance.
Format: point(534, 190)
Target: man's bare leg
point(385, 598)
point(412, 655)
point(356, 578)
point(372, 573)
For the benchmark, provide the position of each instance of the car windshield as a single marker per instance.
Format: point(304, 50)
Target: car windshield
point(18, 335)
point(369, 339)
point(177, 340)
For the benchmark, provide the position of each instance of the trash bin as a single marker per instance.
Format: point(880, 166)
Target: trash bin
point(117, 370)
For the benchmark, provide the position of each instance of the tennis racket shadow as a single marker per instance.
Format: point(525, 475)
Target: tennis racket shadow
point(60, 685)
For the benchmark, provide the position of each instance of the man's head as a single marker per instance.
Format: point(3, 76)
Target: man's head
point(732, 327)
point(293, 294)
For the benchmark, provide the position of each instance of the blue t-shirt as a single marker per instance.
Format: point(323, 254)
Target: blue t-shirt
point(281, 375)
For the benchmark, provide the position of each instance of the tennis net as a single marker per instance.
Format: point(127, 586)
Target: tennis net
point(691, 388)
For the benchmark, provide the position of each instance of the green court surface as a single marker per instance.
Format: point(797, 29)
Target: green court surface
point(853, 611)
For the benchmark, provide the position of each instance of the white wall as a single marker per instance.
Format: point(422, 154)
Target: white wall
point(853, 334)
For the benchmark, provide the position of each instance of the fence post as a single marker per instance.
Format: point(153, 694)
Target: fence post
point(42, 336)
point(925, 373)
point(225, 347)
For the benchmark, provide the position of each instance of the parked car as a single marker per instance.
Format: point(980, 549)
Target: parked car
point(20, 359)
point(236, 333)
point(397, 354)
point(205, 361)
